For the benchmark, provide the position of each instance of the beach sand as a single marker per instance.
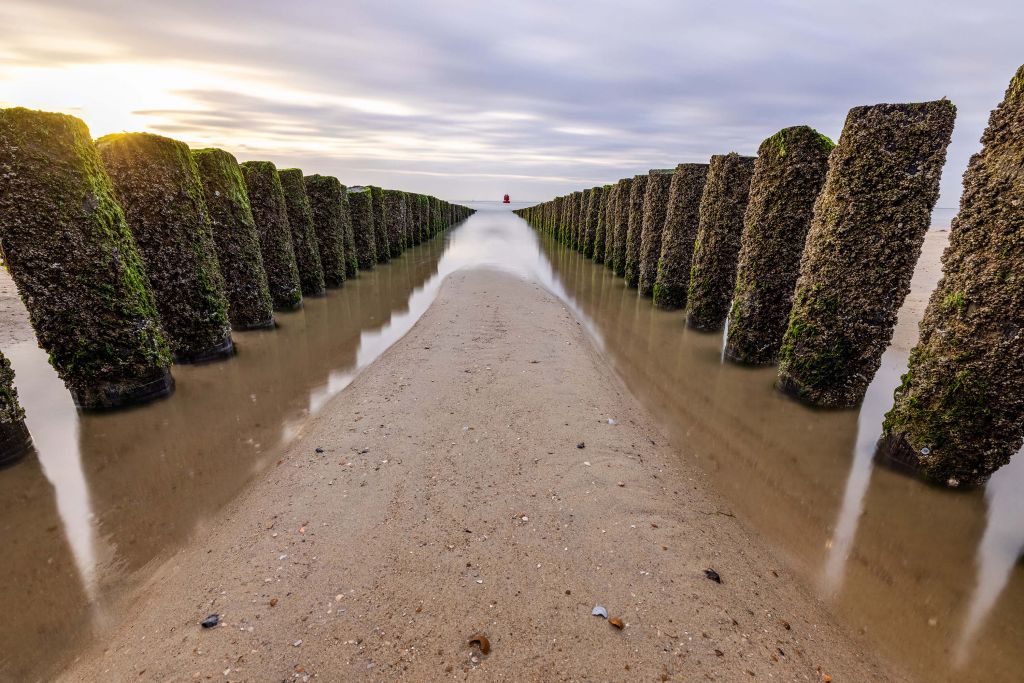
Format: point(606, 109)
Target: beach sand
point(451, 499)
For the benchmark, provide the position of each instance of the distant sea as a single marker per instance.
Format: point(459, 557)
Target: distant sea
point(941, 216)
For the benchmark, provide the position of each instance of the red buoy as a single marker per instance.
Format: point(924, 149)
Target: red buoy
point(505, 200)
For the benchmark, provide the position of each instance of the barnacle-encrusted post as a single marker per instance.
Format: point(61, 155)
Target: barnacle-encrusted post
point(959, 411)
point(236, 240)
point(300, 220)
point(866, 234)
point(328, 202)
point(634, 226)
point(716, 251)
point(360, 206)
point(266, 197)
point(682, 219)
point(788, 176)
point(655, 205)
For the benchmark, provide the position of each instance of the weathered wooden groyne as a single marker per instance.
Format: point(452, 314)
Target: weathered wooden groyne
point(713, 273)
point(328, 204)
point(236, 240)
point(133, 250)
point(788, 176)
point(682, 218)
point(807, 252)
point(959, 411)
point(863, 243)
point(266, 197)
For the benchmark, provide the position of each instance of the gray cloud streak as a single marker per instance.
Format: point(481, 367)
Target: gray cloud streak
point(655, 83)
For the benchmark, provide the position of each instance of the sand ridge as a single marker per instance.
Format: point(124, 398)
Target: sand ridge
point(451, 499)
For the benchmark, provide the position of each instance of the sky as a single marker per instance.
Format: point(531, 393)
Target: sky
point(469, 100)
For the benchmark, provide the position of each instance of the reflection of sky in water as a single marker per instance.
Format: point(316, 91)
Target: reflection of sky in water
point(51, 417)
point(999, 550)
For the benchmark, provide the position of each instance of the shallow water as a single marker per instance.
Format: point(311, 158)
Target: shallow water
point(930, 576)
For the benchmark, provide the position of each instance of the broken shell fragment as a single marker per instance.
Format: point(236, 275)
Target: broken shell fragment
point(481, 640)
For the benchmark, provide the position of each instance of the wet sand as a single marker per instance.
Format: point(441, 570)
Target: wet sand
point(451, 499)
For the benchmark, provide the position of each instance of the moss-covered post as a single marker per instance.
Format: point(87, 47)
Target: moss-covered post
point(14, 437)
point(156, 181)
point(788, 176)
point(865, 236)
point(574, 237)
point(68, 248)
point(236, 240)
point(380, 225)
point(360, 206)
point(351, 258)
point(716, 250)
point(659, 181)
point(959, 411)
point(634, 226)
point(266, 197)
point(682, 219)
point(328, 202)
point(620, 224)
point(611, 206)
point(590, 223)
point(407, 220)
point(300, 220)
point(601, 232)
point(573, 230)
point(424, 215)
point(394, 217)
point(569, 231)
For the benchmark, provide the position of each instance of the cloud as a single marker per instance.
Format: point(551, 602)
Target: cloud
point(470, 100)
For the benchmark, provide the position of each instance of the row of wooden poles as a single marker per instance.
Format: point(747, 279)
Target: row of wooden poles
point(133, 251)
point(806, 253)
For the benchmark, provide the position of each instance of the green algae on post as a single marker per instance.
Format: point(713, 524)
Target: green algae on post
point(380, 225)
point(655, 205)
point(601, 235)
point(15, 440)
point(156, 181)
point(360, 206)
point(266, 197)
point(620, 225)
point(634, 227)
point(327, 201)
point(682, 219)
point(589, 235)
point(300, 220)
point(351, 258)
point(75, 263)
point(958, 412)
point(236, 240)
point(865, 236)
point(395, 218)
point(788, 176)
point(716, 250)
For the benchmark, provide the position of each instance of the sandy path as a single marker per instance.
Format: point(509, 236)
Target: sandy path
point(451, 498)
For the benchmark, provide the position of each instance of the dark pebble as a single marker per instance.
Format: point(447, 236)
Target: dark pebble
point(713, 575)
point(580, 445)
point(210, 621)
point(319, 450)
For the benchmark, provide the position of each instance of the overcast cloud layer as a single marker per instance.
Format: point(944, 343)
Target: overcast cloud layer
point(469, 100)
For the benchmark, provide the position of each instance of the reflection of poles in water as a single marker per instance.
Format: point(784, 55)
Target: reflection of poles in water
point(869, 427)
point(1000, 548)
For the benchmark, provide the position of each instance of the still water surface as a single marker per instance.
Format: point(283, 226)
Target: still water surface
point(929, 576)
